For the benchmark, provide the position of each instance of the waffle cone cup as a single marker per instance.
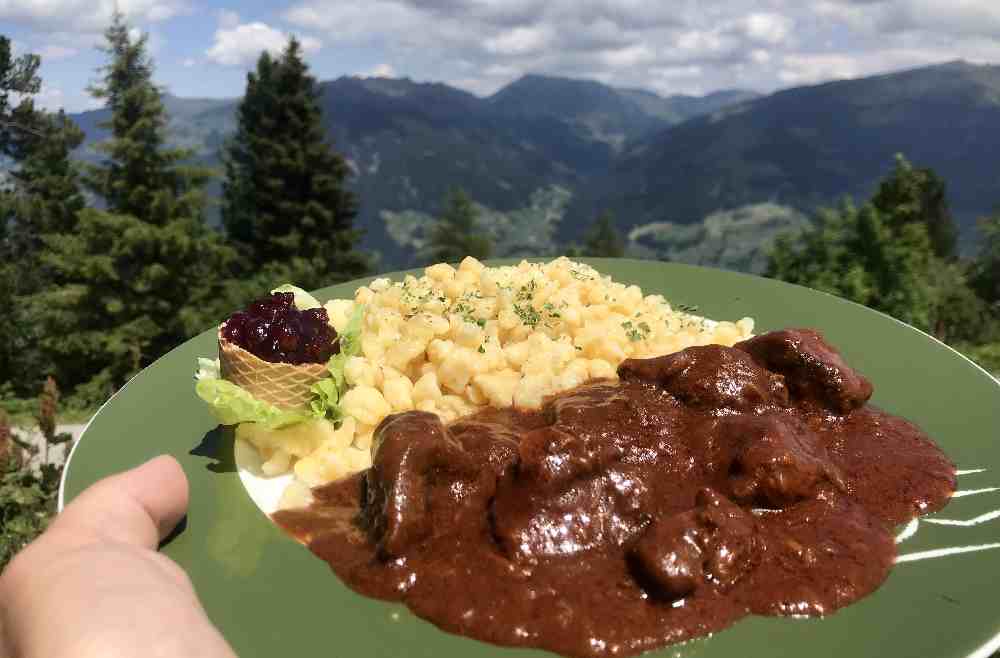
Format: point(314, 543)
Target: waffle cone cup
point(284, 385)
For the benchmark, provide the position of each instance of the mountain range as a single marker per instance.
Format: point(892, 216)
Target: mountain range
point(808, 146)
point(651, 159)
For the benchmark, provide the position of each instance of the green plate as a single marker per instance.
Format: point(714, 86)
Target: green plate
point(271, 597)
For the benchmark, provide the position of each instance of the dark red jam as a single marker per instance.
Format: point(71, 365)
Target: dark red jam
point(274, 330)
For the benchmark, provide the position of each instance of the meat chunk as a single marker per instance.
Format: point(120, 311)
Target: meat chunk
point(410, 449)
point(715, 544)
point(775, 463)
point(813, 369)
point(579, 484)
point(532, 523)
point(552, 457)
point(491, 444)
point(668, 558)
point(710, 377)
point(565, 497)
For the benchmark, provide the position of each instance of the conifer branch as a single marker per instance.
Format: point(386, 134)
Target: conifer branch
point(21, 127)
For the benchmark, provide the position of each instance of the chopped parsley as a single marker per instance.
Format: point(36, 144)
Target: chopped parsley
point(527, 291)
point(634, 332)
point(529, 316)
point(468, 314)
point(687, 308)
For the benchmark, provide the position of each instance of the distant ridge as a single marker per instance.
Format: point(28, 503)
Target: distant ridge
point(812, 145)
point(410, 142)
point(647, 157)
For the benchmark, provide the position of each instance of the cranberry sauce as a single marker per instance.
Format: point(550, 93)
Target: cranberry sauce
point(274, 330)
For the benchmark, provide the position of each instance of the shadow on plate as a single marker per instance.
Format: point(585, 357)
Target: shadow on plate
point(217, 445)
point(175, 533)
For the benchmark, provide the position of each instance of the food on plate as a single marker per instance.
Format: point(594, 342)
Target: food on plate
point(279, 379)
point(632, 512)
point(276, 351)
point(453, 342)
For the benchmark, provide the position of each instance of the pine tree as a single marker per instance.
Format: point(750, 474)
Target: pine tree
point(129, 280)
point(855, 254)
point(457, 233)
point(285, 200)
point(18, 80)
point(894, 255)
point(979, 309)
point(47, 185)
point(139, 176)
point(985, 270)
point(911, 195)
point(45, 201)
point(603, 238)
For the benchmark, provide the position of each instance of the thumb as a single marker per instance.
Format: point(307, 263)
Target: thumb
point(139, 507)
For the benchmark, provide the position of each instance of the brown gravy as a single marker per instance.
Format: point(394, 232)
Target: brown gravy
point(704, 486)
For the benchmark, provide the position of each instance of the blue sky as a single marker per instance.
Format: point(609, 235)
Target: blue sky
point(205, 47)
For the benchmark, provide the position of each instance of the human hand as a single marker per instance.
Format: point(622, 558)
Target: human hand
point(93, 584)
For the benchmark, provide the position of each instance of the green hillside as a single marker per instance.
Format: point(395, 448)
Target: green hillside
point(808, 146)
point(737, 239)
point(650, 159)
point(409, 143)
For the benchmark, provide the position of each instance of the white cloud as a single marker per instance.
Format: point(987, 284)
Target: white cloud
point(349, 22)
point(671, 47)
point(807, 69)
point(633, 55)
point(797, 69)
point(382, 71)
point(242, 44)
point(484, 44)
point(767, 28)
point(706, 44)
point(956, 17)
point(50, 98)
point(189, 62)
point(86, 15)
point(671, 72)
point(57, 52)
point(522, 40)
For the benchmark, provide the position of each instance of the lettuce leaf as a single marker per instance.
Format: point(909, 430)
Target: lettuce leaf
point(350, 338)
point(208, 369)
point(303, 300)
point(233, 405)
point(350, 345)
point(325, 404)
